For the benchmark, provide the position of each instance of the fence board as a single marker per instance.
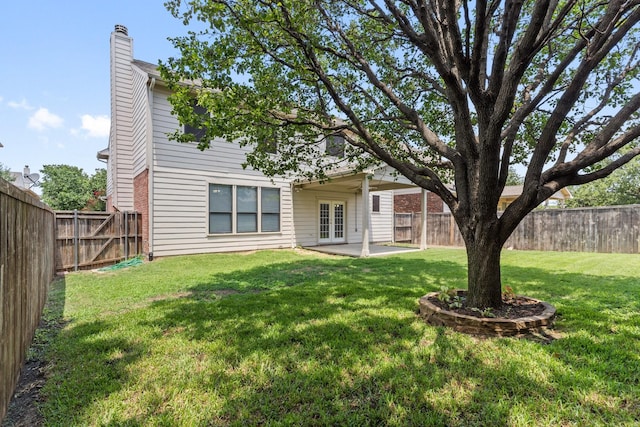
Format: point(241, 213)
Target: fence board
point(87, 240)
point(27, 267)
point(614, 229)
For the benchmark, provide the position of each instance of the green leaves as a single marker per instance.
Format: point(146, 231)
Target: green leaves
point(622, 187)
point(5, 173)
point(69, 187)
point(449, 94)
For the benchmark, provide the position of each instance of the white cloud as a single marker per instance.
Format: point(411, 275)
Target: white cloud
point(43, 119)
point(96, 126)
point(22, 105)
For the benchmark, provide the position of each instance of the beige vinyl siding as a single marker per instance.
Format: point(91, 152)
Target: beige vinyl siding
point(139, 125)
point(306, 206)
point(182, 174)
point(109, 178)
point(120, 139)
point(181, 177)
point(382, 222)
point(180, 214)
point(222, 156)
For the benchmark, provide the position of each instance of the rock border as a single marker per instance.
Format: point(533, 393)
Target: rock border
point(487, 326)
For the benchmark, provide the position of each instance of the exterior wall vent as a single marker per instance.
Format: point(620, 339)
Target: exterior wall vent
point(122, 29)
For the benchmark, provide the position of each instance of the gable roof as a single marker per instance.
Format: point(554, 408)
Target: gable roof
point(513, 191)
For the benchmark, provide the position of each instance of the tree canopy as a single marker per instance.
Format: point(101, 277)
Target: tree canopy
point(67, 187)
point(622, 187)
point(98, 188)
point(5, 173)
point(445, 92)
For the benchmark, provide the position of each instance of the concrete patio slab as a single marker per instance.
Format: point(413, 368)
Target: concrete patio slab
point(355, 249)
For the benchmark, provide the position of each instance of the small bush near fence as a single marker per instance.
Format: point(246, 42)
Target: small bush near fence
point(614, 229)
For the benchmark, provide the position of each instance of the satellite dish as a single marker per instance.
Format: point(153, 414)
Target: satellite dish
point(32, 179)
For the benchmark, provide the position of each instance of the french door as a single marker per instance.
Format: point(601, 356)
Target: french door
point(331, 222)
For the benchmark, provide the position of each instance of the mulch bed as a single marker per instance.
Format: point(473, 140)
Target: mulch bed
point(514, 307)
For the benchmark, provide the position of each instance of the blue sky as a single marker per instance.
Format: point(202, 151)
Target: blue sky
point(54, 75)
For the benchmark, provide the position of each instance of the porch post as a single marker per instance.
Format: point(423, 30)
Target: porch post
point(423, 210)
point(365, 216)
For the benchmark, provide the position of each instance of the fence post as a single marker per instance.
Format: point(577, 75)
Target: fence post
point(135, 232)
point(126, 234)
point(423, 219)
point(76, 243)
point(452, 229)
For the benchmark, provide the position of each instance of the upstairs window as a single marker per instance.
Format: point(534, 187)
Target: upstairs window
point(335, 145)
point(198, 133)
point(270, 146)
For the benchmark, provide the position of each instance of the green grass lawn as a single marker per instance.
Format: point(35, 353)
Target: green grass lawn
point(294, 338)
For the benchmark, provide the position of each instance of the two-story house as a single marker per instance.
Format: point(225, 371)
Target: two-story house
point(196, 201)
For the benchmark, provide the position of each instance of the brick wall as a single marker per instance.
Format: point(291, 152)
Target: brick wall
point(408, 203)
point(141, 205)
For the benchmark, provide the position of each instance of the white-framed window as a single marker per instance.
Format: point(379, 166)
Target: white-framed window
point(238, 209)
point(375, 203)
point(335, 145)
point(198, 133)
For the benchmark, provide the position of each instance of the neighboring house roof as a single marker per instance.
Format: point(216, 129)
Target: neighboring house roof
point(513, 191)
point(509, 192)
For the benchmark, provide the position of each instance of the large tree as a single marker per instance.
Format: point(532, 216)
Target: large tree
point(446, 92)
point(65, 187)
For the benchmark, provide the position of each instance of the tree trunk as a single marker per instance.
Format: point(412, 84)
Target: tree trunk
point(483, 258)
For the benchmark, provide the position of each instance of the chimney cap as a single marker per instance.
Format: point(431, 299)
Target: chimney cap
point(121, 29)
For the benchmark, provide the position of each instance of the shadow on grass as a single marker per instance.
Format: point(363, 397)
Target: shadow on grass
point(87, 361)
point(337, 342)
point(23, 409)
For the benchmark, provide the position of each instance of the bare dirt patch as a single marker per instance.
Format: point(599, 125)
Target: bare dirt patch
point(23, 409)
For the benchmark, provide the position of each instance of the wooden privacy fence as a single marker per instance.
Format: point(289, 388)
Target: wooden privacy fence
point(27, 268)
point(614, 229)
point(86, 240)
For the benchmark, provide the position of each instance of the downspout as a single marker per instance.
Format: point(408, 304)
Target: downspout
point(150, 187)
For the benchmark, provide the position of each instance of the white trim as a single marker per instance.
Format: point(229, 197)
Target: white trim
point(366, 223)
point(234, 184)
point(332, 239)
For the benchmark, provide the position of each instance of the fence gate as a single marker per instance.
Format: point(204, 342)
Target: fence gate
point(403, 227)
point(86, 240)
